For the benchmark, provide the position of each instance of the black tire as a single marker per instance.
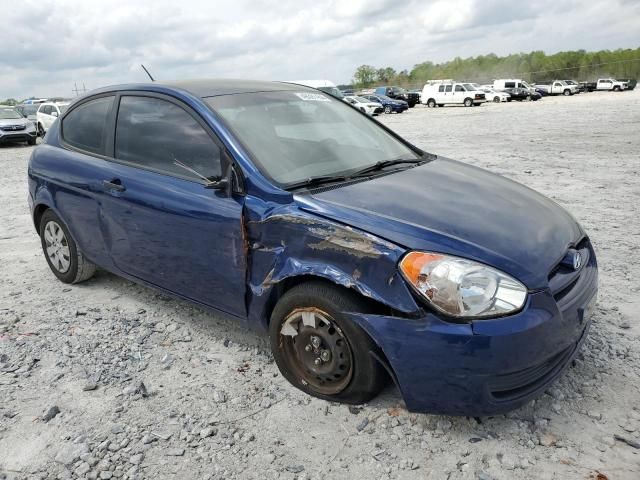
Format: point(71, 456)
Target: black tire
point(468, 102)
point(358, 376)
point(79, 268)
point(496, 99)
point(387, 109)
point(566, 93)
point(40, 130)
point(431, 103)
point(616, 89)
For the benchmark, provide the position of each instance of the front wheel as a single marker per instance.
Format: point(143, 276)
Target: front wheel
point(616, 89)
point(319, 350)
point(62, 254)
point(41, 131)
point(496, 99)
point(387, 109)
point(566, 93)
point(468, 102)
point(431, 103)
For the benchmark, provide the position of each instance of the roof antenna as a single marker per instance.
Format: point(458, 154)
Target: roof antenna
point(147, 72)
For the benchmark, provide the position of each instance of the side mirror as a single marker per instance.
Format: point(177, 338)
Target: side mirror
point(54, 113)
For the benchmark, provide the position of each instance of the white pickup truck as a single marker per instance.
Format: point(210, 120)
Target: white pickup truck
point(558, 87)
point(610, 84)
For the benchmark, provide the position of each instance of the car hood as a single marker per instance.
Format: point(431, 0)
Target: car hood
point(14, 121)
point(451, 207)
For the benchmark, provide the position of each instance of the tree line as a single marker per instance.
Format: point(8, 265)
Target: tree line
point(534, 67)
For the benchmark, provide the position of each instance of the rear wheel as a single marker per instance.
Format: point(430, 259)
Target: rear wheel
point(319, 349)
point(65, 260)
point(431, 103)
point(468, 102)
point(387, 109)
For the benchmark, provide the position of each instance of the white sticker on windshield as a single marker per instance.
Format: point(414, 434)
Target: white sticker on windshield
point(312, 97)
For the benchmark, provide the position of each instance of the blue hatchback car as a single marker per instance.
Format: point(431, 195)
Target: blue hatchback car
point(363, 257)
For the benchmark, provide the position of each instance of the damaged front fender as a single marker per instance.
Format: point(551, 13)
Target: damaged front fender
point(285, 242)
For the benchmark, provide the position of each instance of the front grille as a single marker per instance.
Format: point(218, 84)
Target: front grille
point(517, 384)
point(563, 278)
point(12, 128)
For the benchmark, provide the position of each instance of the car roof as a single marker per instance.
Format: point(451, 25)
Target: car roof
point(204, 88)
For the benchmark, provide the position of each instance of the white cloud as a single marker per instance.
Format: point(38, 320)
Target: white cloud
point(47, 45)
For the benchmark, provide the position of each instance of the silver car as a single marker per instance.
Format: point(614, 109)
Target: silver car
point(15, 128)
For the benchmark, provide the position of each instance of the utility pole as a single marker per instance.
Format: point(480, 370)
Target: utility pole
point(77, 91)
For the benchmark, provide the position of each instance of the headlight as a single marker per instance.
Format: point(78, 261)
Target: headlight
point(462, 288)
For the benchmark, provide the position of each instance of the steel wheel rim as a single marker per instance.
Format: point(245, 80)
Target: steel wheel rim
point(57, 247)
point(316, 351)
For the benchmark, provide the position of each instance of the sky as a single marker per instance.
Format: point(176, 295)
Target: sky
point(47, 45)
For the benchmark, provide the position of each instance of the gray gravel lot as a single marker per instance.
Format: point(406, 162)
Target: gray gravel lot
point(152, 387)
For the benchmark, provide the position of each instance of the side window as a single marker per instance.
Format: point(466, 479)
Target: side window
point(154, 133)
point(85, 126)
point(509, 84)
point(448, 88)
point(46, 110)
point(441, 88)
point(459, 88)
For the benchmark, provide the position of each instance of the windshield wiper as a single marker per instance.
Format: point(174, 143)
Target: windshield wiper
point(381, 165)
point(315, 181)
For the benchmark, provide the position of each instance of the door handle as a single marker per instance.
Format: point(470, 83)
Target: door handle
point(115, 185)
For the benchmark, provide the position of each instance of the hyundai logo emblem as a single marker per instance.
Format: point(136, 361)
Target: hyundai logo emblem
point(573, 259)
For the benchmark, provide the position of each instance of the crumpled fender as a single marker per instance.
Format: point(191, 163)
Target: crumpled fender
point(283, 241)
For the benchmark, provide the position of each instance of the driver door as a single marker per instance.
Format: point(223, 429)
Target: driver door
point(160, 222)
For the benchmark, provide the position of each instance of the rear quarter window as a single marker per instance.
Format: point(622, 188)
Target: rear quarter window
point(85, 126)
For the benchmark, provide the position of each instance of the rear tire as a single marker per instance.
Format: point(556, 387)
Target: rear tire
point(319, 350)
point(61, 252)
point(387, 109)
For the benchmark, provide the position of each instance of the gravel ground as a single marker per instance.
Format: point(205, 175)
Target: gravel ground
point(151, 387)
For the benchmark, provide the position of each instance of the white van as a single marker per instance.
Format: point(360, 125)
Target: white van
point(453, 93)
point(504, 83)
point(326, 86)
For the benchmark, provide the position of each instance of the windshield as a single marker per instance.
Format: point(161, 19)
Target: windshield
point(9, 114)
point(469, 86)
point(362, 100)
point(293, 136)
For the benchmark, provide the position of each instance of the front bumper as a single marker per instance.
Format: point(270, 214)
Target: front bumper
point(486, 367)
point(17, 136)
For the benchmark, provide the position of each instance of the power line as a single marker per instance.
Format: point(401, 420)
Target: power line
point(582, 66)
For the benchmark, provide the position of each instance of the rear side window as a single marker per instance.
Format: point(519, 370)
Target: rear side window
point(154, 133)
point(86, 125)
point(449, 88)
point(509, 84)
point(441, 88)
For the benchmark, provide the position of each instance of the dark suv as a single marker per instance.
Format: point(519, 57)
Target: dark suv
point(398, 93)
